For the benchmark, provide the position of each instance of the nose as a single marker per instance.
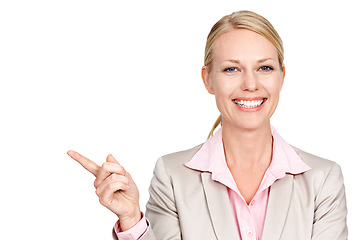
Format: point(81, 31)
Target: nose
point(250, 82)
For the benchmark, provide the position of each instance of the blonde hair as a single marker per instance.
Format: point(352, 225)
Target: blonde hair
point(241, 20)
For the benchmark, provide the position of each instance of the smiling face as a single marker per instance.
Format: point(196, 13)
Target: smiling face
point(245, 77)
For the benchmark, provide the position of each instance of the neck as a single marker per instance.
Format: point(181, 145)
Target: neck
point(247, 148)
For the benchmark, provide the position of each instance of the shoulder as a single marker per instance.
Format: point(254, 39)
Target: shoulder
point(323, 171)
point(174, 163)
point(324, 185)
point(315, 162)
point(181, 157)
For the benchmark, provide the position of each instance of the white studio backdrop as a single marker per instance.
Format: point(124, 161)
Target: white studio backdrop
point(123, 77)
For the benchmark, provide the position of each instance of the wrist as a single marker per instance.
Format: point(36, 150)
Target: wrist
point(127, 222)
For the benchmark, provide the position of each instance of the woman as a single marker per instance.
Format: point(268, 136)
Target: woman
point(245, 181)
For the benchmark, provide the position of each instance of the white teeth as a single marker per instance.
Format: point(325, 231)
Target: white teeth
point(249, 104)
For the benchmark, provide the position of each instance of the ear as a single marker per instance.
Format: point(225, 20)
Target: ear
point(206, 80)
point(283, 73)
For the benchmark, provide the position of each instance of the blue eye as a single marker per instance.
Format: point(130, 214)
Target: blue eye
point(266, 68)
point(230, 69)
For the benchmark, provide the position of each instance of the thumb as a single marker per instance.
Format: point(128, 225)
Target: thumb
point(111, 159)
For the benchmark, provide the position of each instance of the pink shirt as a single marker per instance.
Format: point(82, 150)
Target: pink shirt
point(249, 218)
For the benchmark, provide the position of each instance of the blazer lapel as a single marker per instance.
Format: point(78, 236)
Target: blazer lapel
point(278, 206)
point(219, 208)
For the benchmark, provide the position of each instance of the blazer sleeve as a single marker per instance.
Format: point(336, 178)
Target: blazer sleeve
point(330, 208)
point(163, 223)
point(161, 208)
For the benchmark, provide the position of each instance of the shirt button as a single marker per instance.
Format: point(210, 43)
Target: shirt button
point(252, 202)
point(250, 233)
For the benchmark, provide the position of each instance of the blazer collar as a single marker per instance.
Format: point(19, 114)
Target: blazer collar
point(222, 215)
point(216, 179)
point(278, 206)
point(219, 208)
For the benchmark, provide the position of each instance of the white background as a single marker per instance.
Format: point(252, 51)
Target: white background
point(123, 77)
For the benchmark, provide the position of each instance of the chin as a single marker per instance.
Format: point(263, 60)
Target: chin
point(247, 124)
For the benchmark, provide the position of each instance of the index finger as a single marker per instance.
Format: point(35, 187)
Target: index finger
point(88, 164)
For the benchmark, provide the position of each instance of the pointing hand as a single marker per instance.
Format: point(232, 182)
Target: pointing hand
point(115, 188)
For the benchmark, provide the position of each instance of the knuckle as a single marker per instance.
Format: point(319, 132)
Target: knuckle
point(110, 187)
point(126, 180)
point(121, 168)
point(123, 171)
point(97, 192)
point(102, 201)
point(105, 166)
point(96, 183)
point(114, 187)
point(113, 177)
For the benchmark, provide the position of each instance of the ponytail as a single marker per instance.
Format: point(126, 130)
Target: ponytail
point(215, 125)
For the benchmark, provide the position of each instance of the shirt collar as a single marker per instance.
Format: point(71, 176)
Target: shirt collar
point(285, 159)
point(211, 158)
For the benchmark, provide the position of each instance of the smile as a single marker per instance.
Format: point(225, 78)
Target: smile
point(249, 104)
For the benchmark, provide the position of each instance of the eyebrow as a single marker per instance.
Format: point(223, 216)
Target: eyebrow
point(259, 61)
point(265, 59)
point(232, 60)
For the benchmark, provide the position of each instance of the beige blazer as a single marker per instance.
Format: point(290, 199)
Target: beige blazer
point(187, 204)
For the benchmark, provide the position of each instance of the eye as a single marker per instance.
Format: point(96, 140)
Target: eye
point(231, 69)
point(266, 68)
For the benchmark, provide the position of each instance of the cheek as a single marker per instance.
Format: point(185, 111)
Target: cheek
point(224, 87)
point(273, 86)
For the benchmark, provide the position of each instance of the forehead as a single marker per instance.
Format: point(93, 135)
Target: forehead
point(243, 44)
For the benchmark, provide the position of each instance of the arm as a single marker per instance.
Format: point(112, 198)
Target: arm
point(161, 207)
point(330, 208)
point(117, 191)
